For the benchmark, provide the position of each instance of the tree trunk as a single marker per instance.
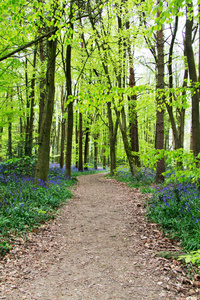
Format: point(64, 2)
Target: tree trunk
point(27, 109)
point(58, 142)
point(63, 121)
point(70, 115)
point(104, 149)
point(86, 149)
point(193, 78)
point(80, 164)
point(122, 119)
point(20, 147)
point(42, 86)
point(53, 141)
point(70, 105)
point(1, 132)
point(160, 100)
point(10, 154)
point(95, 151)
point(175, 128)
point(42, 167)
point(113, 128)
point(29, 144)
point(133, 119)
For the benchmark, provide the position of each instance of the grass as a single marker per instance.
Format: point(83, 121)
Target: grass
point(25, 205)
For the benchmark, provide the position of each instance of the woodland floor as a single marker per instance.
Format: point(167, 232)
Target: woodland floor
point(99, 247)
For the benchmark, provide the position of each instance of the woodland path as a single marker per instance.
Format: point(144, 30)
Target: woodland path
point(99, 247)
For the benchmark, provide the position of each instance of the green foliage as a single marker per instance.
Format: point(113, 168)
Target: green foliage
point(181, 166)
point(146, 190)
point(142, 178)
point(4, 248)
point(18, 166)
point(193, 257)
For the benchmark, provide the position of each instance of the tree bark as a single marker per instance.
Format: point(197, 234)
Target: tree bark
point(122, 115)
point(27, 108)
point(58, 142)
point(31, 100)
point(1, 132)
point(42, 166)
point(80, 164)
point(10, 154)
point(70, 105)
point(95, 151)
point(70, 114)
point(113, 128)
point(133, 119)
point(160, 101)
point(76, 140)
point(193, 78)
point(42, 85)
point(63, 122)
point(86, 149)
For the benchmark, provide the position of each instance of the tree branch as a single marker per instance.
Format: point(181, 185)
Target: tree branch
point(28, 44)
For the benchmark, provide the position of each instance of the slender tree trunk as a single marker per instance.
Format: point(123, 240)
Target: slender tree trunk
point(113, 128)
point(193, 78)
point(160, 100)
point(70, 105)
point(133, 119)
point(104, 150)
point(21, 137)
point(1, 132)
point(63, 122)
point(70, 116)
point(10, 154)
point(95, 151)
point(42, 167)
point(169, 106)
point(32, 104)
point(10, 150)
point(27, 109)
point(76, 139)
point(86, 149)
point(122, 120)
point(53, 140)
point(58, 142)
point(42, 85)
point(20, 147)
point(181, 128)
point(80, 165)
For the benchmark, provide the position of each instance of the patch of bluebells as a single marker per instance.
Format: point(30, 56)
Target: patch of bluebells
point(25, 204)
point(55, 168)
point(177, 208)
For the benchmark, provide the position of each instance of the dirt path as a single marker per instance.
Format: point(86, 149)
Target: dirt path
point(99, 247)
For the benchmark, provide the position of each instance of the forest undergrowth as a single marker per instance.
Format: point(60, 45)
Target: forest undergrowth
point(174, 206)
point(25, 204)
